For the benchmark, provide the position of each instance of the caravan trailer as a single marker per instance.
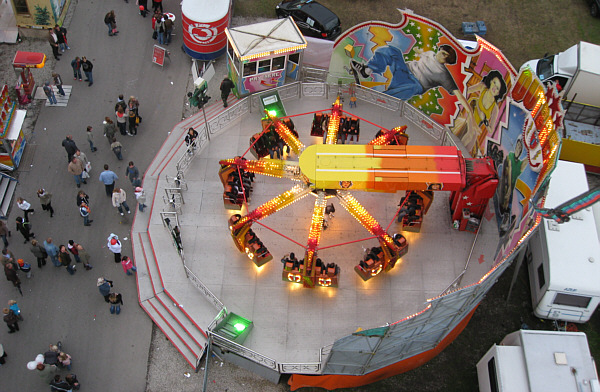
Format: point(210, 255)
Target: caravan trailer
point(564, 259)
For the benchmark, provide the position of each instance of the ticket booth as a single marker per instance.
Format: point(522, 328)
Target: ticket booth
point(260, 56)
point(22, 64)
point(12, 140)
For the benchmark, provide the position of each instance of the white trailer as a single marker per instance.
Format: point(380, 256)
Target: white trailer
point(539, 361)
point(564, 259)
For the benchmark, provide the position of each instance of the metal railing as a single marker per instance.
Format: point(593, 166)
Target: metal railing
point(228, 345)
point(204, 290)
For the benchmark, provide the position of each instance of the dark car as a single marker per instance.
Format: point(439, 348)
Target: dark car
point(594, 7)
point(313, 19)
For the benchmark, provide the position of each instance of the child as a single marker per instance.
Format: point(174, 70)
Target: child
point(64, 360)
point(12, 305)
point(140, 196)
point(127, 265)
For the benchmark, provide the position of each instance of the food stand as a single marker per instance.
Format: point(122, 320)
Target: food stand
point(261, 55)
point(22, 64)
point(12, 140)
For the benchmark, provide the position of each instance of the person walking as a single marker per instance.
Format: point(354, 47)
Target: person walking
point(84, 211)
point(14, 306)
point(133, 107)
point(104, 286)
point(25, 206)
point(82, 197)
point(108, 178)
point(168, 30)
point(133, 174)
point(8, 257)
point(127, 265)
point(143, 7)
point(4, 233)
point(11, 275)
point(72, 246)
point(11, 320)
point(114, 245)
point(53, 40)
point(157, 5)
point(58, 83)
point(85, 257)
point(90, 138)
point(115, 300)
point(117, 148)
point(61, 35)
point(159, 29)
point(24, 227)
point(120, 103)
point(110, 20)
point(70, 147)
point(76, 168)
point(109, 129)
point(49, 93)
point(52, 251)
point(140, 196)
point(39, 252)
point(64, 360)
point(87, 166)
point(87, 70)
point(65, 259)
point(119, 200)
point(46, 200)
point(226, 86)
point(76, 65)
point(73, 381)
point(121, 117)
point(46, 372)
point(59, 385)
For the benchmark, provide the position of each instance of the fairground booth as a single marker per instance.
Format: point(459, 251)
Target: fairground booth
point(261, 55)
point(22, 64)
point(204, 23)
point(12, 140)
point(39, 14)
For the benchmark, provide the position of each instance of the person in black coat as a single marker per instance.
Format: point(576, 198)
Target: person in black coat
point(226, 86)
point(24, 228)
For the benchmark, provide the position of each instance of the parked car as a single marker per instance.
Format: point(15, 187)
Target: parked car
point(312, 18)
point(594, 7)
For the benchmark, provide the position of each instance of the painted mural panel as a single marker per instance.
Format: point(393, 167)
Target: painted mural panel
point(475, 93)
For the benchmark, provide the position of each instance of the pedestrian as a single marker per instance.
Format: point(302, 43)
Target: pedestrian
point(140, 196)
point(51, 356)
point(82, 197)
point(64, 360)
point(14, 306)
point(133, 110)
point(104, 286)
point(159, 29)
point(59, 385)
point(143, 7)
point(87, 165)
point(61, 35)
point(84, 211)
point(191, 139)
point(72, 246)
point(49, 93)
point(90, 138)
point(58, 83)
point(25, 206)
point(127, 265)
point(119, 200)
point(76, 65)
point(24, 227)
point(121, 117)
point(39, 252)
point(168, 30)
point(9, 258)
point(53, 40)
point(87, 70)
point(117, 148)
point(70, 147)
point(120, 103)
point(110, 20)
point(73, 382)
point(109, 129)
point(25, 267)
point(115, 300)
point(133, 174)
point(85, 257)
point(46, 372)
point(3, 355)
point(52, 251)
point(226, 86)
point(11, 275)
point(76, 168)
point(65, 259)
point(11, 320)
point(108, 178)
point(157, 5)
point(114, 245)
point(46, 200)
point(4, 232)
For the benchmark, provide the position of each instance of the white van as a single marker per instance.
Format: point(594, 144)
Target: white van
point(564, 259)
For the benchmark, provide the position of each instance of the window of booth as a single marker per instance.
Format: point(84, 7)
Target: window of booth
point(21, 6)
point(237, 64)
point(295, 58)
point(250, 68)
point(264, 66)
point(278, 63)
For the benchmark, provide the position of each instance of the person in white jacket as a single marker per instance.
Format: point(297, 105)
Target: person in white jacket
point(114, 245)
point(25, 206)
point(119, 200)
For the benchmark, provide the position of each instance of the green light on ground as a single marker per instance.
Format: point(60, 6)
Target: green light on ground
point(239, 327)
point(273, 113)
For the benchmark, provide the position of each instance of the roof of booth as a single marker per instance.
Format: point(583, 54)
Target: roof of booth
point(266, 38)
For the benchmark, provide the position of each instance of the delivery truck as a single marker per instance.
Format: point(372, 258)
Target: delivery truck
point(577, 72)
point(564, 259)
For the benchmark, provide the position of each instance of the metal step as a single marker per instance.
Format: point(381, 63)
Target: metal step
point(147, 256)
point(192, 330)
point(7, 191)
point(144, 280)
